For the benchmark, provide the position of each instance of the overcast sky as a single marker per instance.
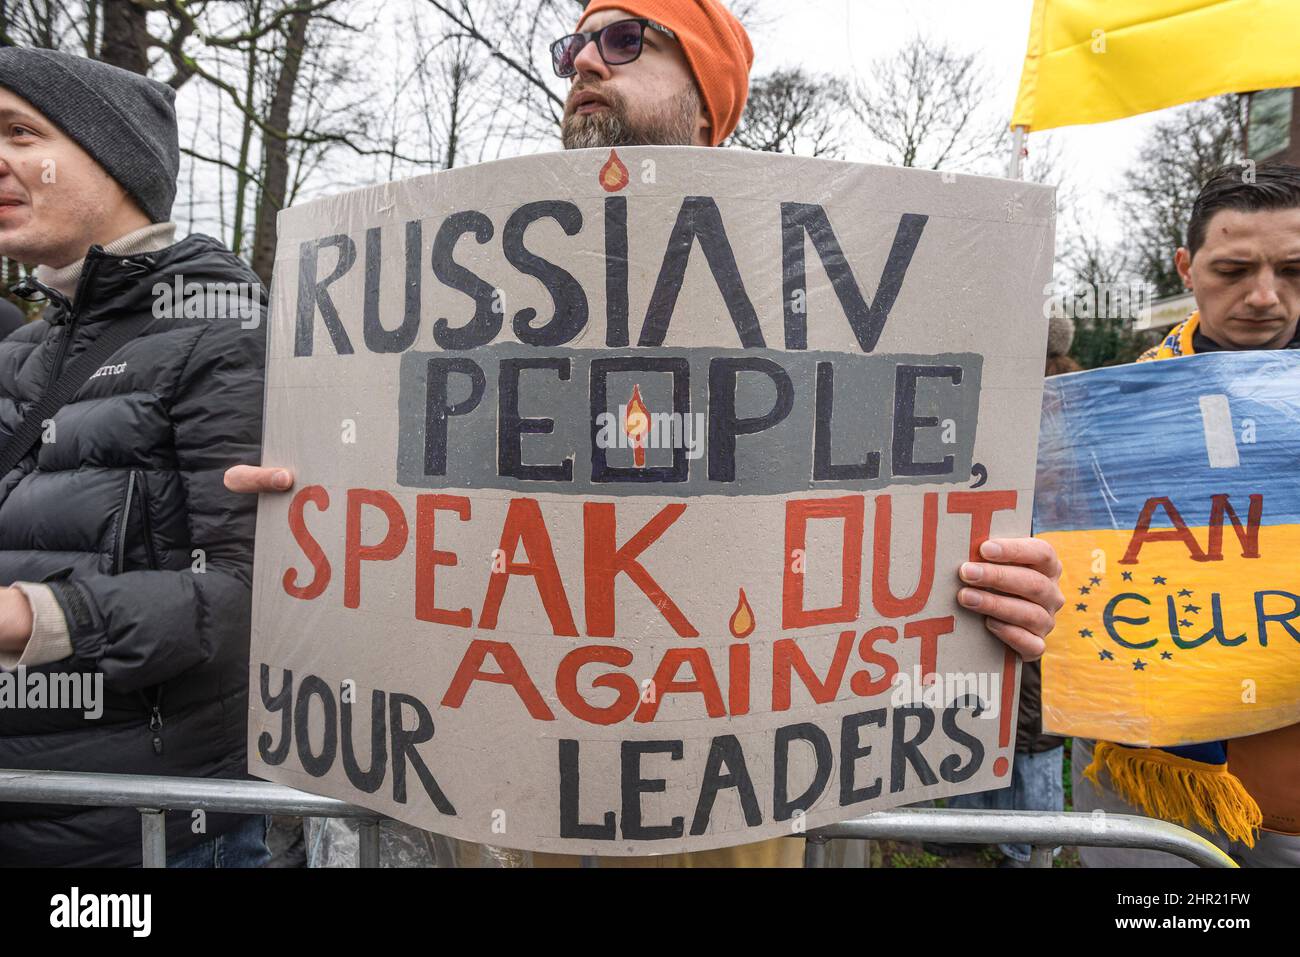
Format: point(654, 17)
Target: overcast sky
point(845, 36)
point(841, 37)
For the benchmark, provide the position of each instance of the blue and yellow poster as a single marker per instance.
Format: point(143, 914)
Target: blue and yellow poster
point(1171, 491)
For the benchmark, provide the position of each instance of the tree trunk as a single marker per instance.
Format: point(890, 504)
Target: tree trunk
point(453, 124)
point(275, 151)
point(92, 27)
point(126, 41)
point(243, 180)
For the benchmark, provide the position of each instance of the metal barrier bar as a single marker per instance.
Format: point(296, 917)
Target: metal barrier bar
point(368, 852)
point(171, 794)
point(814, 850)
point(1041, 829)
point(153, 838)
point(153, 795)
point(1041, 856)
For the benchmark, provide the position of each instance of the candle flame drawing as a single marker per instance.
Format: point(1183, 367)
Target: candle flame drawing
point(614, 175)
point(636, 423)
point(742, 619)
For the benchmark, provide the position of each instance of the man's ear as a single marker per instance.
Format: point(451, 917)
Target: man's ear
point(703, 129)
point(1183, 262)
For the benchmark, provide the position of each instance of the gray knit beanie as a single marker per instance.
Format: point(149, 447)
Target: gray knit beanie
point(125, 121)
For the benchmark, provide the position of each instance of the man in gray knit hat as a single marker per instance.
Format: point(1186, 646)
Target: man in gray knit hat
point(125, 565)
point(107, 175)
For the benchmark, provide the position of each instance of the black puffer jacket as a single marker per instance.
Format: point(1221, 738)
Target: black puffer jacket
point(125, 515)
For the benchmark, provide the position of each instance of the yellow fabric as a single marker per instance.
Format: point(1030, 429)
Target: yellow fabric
point(1177, 789)
point(1177, 343)
point(778, 852)
point(1198, 694)
point(1089, 61)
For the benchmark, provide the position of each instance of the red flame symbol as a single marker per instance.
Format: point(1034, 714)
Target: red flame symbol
point(614, 175)
point(636, 423)
point(742, 619)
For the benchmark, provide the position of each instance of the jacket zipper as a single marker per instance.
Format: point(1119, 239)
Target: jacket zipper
point(156, 721)
point(119, 546)
point(70, 329)
point(146, 522)
point(135, 482)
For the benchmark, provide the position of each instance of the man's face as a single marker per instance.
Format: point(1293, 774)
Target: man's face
point(55, 201)
point(651, 101)
point(1246, 278)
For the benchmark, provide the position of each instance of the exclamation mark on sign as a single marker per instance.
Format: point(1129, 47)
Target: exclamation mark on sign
point(1001, 766)
point(1220, 440)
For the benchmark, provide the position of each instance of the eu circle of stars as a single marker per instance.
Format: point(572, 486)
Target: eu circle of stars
point(1092, 600)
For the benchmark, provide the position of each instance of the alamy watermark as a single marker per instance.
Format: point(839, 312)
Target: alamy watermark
point(179, 299)
point(651, 430)
point(1102, 300)
point(76, 691)
point(133, 912)
point(937, 691)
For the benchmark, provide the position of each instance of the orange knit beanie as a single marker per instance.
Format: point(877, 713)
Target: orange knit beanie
point(716, 45)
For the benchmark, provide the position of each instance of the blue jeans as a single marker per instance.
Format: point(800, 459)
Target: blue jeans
point(1036, 785)
point(242, 846)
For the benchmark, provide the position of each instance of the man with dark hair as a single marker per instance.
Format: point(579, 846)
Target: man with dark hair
point(1242, 263)
point(125, 566)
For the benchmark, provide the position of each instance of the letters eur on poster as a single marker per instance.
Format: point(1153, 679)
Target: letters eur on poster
point(631, 492)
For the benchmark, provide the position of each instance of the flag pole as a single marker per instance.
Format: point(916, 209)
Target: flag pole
point(1015, 169)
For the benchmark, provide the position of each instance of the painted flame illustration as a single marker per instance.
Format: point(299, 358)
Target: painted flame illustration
point(614, 175)
point(742, 619)
point(636, 423)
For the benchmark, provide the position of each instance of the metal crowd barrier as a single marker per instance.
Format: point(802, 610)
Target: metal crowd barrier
point(153, 796)
point(1041, 830)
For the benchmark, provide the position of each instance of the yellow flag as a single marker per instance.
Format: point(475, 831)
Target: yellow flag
point(1089, 61)
point(1169, 492)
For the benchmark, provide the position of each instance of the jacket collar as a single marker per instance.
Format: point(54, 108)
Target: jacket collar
point(112, 285)
point(148, 239)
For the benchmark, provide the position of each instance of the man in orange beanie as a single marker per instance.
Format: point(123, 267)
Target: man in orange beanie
point(676, 73)
point(654, 73)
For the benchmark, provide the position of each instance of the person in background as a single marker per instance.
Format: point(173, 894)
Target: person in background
point(125, 565)
point(1242, 264)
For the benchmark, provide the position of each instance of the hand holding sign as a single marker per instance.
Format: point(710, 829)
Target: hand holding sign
point(252, 479)
point(1018, 591)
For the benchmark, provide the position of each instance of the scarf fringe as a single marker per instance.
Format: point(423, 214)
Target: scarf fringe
point(1179, 790)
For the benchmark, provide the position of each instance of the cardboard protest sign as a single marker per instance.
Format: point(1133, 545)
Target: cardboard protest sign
point(632, 489)
point(1171, 494)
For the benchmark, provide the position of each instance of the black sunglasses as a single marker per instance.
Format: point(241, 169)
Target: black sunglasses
point(619, 43)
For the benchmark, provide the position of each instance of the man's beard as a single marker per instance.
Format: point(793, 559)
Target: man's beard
point(673, 125)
